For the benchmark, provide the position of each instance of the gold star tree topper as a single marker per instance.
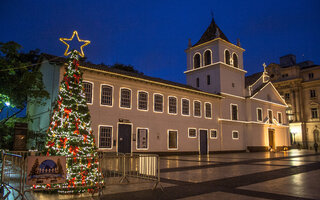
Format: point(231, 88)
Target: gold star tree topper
point(67, 52)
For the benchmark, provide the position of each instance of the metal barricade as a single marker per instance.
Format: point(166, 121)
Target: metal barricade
point(130, 168)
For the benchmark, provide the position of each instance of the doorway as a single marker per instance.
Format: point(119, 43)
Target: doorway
point(272, 143)
point(203, 142)
point(124, 138)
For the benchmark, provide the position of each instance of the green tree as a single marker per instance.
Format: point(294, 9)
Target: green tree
point(20, 79)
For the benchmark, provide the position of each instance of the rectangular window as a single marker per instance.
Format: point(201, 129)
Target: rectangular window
point(142, 100)
point(197, 108)
point(235, 135)
point(198, 82)
point(172, 139)
point(314, 113)
point(125, 99)
point(192, 133)
point(172, 105)
point(208, 110)
point(259, 114)
point(185, 107)
point(106, 95)
point(105, 137)
point(287, 96)
point(270, 116)
point(279, 117)
point(208, 80)
point(213, 134)
point(312, 93)
point(88, 91)
point(158, 103)
point(310, 75)
point(234, 112)
point(142, 138)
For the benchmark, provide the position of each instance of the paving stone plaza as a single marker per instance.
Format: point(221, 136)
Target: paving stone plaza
point(294, 174)
point(263, 175)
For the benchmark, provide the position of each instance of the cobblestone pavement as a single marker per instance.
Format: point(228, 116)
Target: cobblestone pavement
point(263, 175)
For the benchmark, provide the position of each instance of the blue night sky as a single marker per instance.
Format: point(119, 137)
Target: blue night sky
point(152, 35)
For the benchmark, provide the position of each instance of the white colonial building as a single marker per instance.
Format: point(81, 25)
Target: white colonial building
point(219, 109)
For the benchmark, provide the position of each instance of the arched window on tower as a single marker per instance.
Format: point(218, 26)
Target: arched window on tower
point(196, 61)
point(207, 57)
point(227, 57)
point(235, 60)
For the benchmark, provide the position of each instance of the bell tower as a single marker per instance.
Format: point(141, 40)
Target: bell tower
point(215, 65)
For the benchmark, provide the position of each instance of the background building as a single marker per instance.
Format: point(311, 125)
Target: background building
point(299, 84)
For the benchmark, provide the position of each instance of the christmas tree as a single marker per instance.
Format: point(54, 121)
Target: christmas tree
point(70, 133)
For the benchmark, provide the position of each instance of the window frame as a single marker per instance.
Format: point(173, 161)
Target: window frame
point(197, 53)
point(204, 57)
point(168, 106)
point(225, 60)
point(280, 119)
point(233, 60)
point(154, 100)
point(235, 131)
point(142, 91)
point(316, 112)
point(194, 109)
point(231, 112)
point(121, 88)
point(112, 93)
point(313, 94)
point(137, 136)
point(195, 132)
point(205, 110)
point(269, 116)
point(257, 110)
point(188, 115)
point(216, 134)
point(168, 138)
point(111, 138)
point(92, 91)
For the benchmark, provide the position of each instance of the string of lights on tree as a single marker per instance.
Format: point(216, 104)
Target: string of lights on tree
point(70, 132)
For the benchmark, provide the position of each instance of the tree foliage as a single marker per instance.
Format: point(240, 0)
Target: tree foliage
point(127, 68)
point(20, 78)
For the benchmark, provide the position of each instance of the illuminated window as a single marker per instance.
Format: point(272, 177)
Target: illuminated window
point(142, 138)
point(88, 91)
point(196, 61)
point(142, 101)
point(172, 105)
point(234, 112)
point(235, 135)
point(198, 82)
point(314, 113)
point(208, 80)
point(280, 117)
point(235, 60)
point(213, 134)
point(172, 139)
point(125, 99)
point(208, 110)
point(197, 108)
point(227, 57)
point(185, 107)
point(207, 57)
point(192, 133)
point(259, 114)
point(158, 103)
point(270, 116)
point(106, 95)
point(312, 93)
point(105, 137)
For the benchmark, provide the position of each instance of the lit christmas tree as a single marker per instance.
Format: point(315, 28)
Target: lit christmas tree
point(70, 132)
